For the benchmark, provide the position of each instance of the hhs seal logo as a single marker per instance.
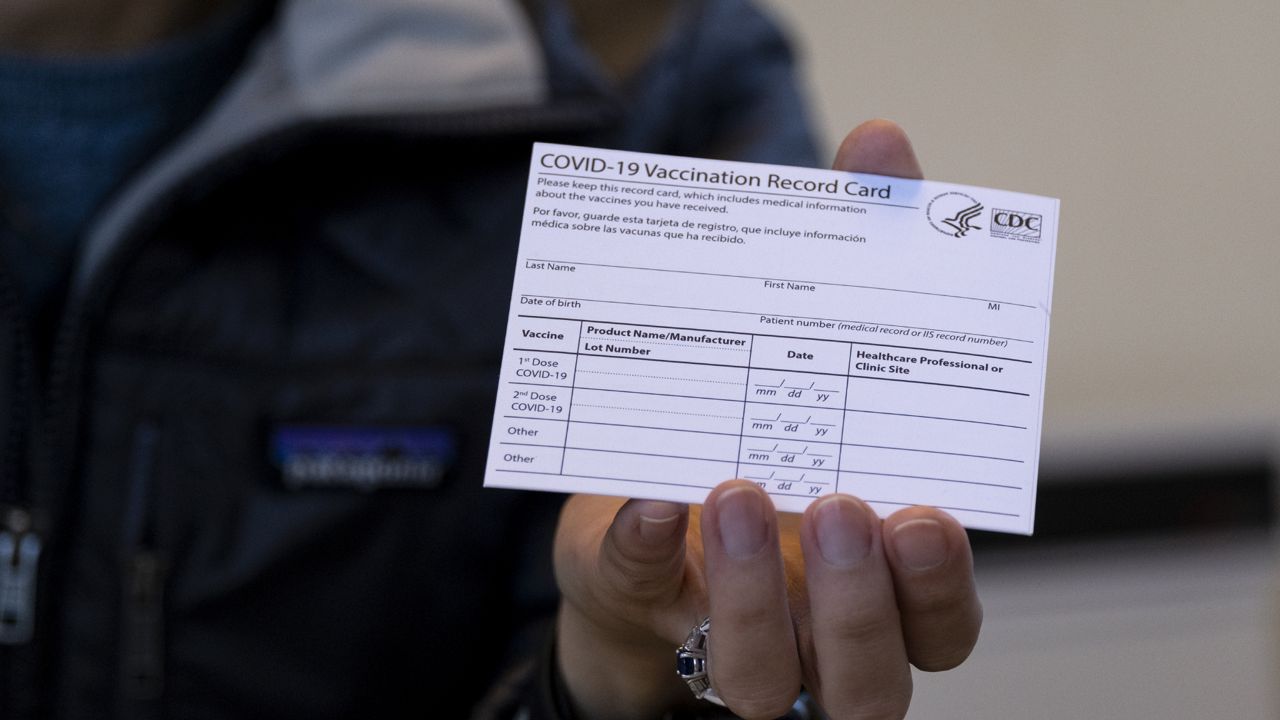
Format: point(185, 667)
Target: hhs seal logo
point(953, 213)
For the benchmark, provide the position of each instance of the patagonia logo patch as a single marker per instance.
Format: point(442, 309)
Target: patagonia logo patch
point(362, 457)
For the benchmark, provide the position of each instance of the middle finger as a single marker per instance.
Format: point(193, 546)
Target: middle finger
point(752, 656)
point(861, 662)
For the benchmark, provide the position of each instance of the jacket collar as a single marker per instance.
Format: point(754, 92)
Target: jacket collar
point(344, 59)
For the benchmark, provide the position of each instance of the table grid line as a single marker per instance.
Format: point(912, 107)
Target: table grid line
point(768, 465)
point(840, 447)
point(769, 402)
point(780, 336)
point(742, 424)
point(827, 283)
point(770, 369)
point(705, 487)
point(765, 314)
point(568, 415)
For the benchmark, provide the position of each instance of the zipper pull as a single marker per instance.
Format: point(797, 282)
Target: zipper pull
point(143, 639)
point(19, 559)
point(142, 619)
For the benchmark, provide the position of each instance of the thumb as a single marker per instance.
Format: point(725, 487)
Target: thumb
point(879, 147)
point(621, 570)
point(643, 553)
point(613, 558)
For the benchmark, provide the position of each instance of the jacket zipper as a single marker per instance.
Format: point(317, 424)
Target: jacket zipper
point(20, 543)
point(19, 559)
point(142, 617)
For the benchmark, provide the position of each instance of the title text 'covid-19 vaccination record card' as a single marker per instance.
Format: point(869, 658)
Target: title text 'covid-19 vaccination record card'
point(678, 322)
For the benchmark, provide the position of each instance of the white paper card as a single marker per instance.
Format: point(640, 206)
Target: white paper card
point(677, 322)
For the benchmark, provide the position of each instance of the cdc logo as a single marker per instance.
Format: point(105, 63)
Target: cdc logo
point(1015, 225)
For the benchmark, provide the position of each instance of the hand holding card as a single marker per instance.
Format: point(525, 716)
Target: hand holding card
point(836, 601)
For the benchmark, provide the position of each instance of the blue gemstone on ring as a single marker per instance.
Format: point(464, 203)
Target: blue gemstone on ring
point(687, 665)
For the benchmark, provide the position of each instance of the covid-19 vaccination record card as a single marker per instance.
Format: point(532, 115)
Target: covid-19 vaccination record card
point(678, 322)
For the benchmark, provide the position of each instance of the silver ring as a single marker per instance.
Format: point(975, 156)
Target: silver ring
point(692, 666)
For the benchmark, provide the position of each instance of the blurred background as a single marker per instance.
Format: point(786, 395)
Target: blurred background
point(1150, 589)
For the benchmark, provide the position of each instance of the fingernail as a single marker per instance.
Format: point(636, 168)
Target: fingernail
point(843, 530)
point(659, 521)
point(743, 526)
point(921, 544)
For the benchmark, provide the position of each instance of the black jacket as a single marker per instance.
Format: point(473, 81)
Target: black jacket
point(322, 256)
